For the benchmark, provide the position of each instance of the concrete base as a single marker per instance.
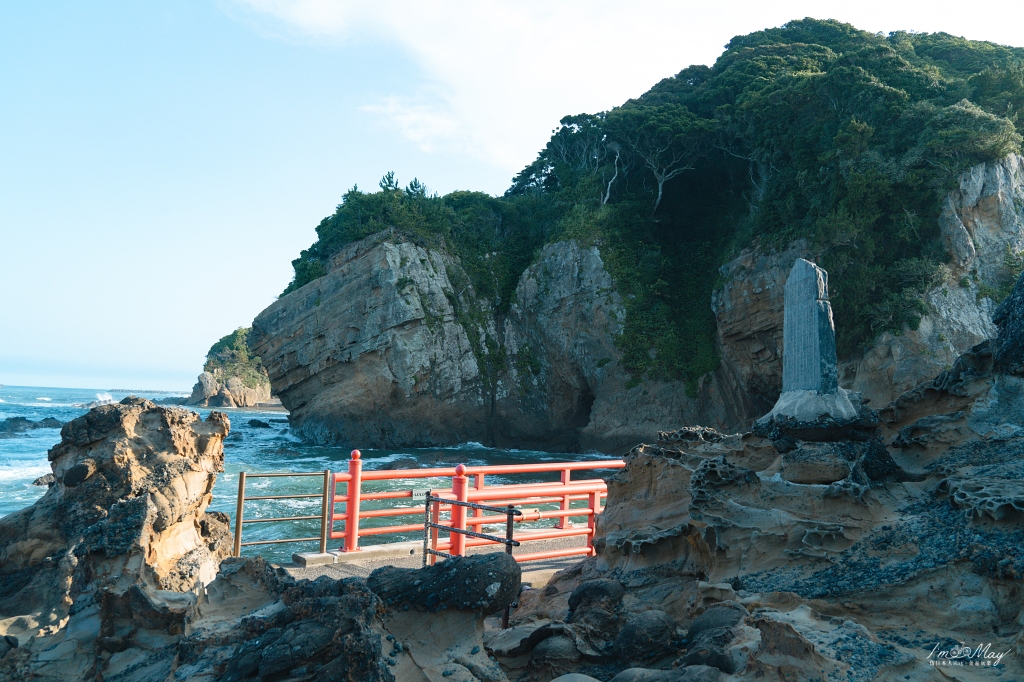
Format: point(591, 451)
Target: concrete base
point(807, 406)
point(306, 559)
point(393, 550)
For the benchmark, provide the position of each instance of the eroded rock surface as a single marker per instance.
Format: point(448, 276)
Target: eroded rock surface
point(836, 549)
point(117, 542)
point(216, 390)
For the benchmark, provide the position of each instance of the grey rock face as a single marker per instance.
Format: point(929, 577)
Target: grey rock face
point(1009, 346)
point(809, 361)
point(393, 347)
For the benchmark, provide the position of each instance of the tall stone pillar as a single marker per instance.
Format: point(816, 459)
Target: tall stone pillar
point(810, 377)
point(808, 334)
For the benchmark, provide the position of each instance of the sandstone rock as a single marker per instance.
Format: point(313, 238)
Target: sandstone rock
point(215, 390)
point(116, 542)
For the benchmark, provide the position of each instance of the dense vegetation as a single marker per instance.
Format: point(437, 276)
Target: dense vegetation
point(230, 357)
point(813, 130)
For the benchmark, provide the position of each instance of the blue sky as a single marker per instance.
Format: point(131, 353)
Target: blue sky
point(161, 163)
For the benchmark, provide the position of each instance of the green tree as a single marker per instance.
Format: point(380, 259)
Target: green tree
point(667, 138)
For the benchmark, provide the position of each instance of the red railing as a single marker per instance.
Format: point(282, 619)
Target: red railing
point(562, 492)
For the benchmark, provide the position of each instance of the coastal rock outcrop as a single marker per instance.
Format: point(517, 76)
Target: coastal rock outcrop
point(831, 549)
point(378, 351)
point(115, 544)
point(213, 389)
point(392, 347)
point(12, 426)
point(231, 377)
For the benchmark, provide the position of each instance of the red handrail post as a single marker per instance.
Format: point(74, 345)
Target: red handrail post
point(595, 505)
point(564, 521)
point(478, 485)
point(460, 489)
point(355, 470)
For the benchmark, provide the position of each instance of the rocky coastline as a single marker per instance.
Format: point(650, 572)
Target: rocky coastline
point(830, 549)
point(393, 347)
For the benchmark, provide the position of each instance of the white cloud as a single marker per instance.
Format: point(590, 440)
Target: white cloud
point(504, 72)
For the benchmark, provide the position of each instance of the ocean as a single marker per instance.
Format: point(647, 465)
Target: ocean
point(251, 449)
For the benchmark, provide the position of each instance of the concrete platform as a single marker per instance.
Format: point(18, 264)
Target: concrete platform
point(339, 565)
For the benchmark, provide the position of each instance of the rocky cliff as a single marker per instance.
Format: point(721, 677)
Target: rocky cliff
point(826, 550)
point(393, 346)
point(231, 377)
point(982, 224)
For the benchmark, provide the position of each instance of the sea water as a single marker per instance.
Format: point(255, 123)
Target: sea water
point(255, 449)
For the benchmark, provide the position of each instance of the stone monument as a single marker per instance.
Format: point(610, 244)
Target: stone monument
point(810, 378)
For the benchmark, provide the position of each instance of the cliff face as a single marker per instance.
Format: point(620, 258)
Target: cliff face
point(393, 347)
point(387, 350)
point(372, 353)
point(982, 224)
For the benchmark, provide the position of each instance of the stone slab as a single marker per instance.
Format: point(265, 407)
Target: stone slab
point(393, 550)
point(807, 406)
point(306, 559)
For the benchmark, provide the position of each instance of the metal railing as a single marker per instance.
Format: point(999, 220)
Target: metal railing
point(240, 519)
point(510, 513)
point(562, 493)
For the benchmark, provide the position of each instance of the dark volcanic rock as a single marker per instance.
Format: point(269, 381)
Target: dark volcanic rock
point(484, 583)
point(12, 426)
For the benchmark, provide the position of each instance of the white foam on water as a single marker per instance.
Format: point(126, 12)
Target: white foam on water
point(25, 472)
point(46, 399)
point(104, 397)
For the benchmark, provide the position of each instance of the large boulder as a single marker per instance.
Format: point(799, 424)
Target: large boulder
point(118, 542)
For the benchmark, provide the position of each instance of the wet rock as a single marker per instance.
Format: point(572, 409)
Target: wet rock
point(13, 426)
point(258, 424)
point(595, 611)
point(45, 479)
point(575, 677)
point(722, 615)
point(80, 472)
point(553, 657)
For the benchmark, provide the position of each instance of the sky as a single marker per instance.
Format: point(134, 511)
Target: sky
point(162, 163)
